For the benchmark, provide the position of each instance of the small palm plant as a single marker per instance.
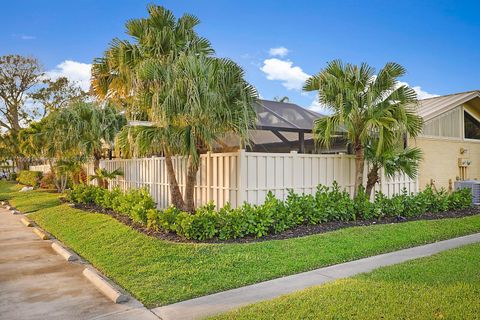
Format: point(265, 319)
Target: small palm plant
point(102, 176)
point(66, 169)
point(393, 160)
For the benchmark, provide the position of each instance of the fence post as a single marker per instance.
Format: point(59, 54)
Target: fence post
point(295, 165)
point(242, 177)
point(209, 177)
point(341, 179)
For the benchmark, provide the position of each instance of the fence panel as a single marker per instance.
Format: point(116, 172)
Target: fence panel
point(217, 177)
point(43, 168)
point(244, 176)
point(279, 172)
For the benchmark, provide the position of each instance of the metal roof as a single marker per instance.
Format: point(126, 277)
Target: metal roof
point(432, 107)
point(284, 116)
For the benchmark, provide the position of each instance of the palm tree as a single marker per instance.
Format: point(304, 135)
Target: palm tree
point(102, 176)
point(202, 99)
point(160, 38)
point(365, 106)
point(87, 128)
point(393, 160)
point(64, 169)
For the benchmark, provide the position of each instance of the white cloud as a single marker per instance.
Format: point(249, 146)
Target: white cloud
point(27, 37)
point(22, 36)
point(318, 107)
point(76, 72)
point(278, 52)
point(282, 70)
point(421, 94)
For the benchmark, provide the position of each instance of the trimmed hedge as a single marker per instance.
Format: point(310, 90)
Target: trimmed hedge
point(29, 178)
point(135, 203)
point(274, 215)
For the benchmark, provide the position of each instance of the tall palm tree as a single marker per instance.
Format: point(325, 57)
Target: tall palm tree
point(365, 106)
point(159, 38)
point(202, 99)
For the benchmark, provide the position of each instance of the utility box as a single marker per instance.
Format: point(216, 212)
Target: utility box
point(473, 185)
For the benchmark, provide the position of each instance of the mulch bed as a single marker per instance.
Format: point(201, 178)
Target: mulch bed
point(300, 231)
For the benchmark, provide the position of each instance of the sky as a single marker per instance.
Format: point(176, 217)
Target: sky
point(278, 43)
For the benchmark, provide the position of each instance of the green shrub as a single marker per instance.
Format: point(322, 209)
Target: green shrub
point(460, 199)
point(29, 178)
point(334, 204)
point(85, 194)
point(48, 181)
point(274, 215)
point(363, 208)
point(302, 207)
point(135, 203)
point(12, 176)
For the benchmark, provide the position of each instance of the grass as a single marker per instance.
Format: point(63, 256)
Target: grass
point(159, 272)
point(27, 202)
point(443, 286)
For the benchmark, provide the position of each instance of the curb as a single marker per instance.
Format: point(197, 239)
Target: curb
point(67, 255)
point(27, 222)
point(103, 286)
point(40, 233)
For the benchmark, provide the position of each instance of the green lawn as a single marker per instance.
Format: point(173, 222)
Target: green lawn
point(443, 286)
point(158, 272)
point(27, 201)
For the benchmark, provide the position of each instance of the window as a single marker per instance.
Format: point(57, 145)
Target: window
point(472, 127)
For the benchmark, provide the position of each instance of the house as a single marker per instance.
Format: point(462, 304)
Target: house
point(450, 139)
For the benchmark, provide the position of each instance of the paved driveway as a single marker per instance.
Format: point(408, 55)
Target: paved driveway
point(36, 283)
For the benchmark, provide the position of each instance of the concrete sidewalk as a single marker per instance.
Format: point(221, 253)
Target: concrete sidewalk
point(36, 283)
point(223, 301)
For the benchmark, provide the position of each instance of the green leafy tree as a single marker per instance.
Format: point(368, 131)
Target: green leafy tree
point(18, 75)
point(54, 95)
point(370, 109)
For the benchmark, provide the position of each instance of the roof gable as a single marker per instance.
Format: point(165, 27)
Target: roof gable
point(432, 107)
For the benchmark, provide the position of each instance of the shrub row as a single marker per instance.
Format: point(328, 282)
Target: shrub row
point(135, 203)
point(274, 216)
point(29, 178)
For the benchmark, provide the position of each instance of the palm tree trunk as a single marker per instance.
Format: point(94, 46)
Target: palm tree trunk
point(175, 193)
point(359, 166)
point(192, 169)
point(372, 179)
point(97, 155)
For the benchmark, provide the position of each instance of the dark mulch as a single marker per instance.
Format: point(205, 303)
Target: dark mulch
point(300, 231)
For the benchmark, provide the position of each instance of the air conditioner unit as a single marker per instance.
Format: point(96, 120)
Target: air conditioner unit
point(473, 185)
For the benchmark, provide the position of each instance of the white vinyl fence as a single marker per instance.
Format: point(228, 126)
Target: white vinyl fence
point(247, 176)
point(43, 168)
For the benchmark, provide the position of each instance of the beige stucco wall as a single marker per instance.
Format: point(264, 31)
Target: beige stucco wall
point(440, 160)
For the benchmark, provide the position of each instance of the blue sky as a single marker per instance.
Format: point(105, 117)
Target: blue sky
point(437, 41)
